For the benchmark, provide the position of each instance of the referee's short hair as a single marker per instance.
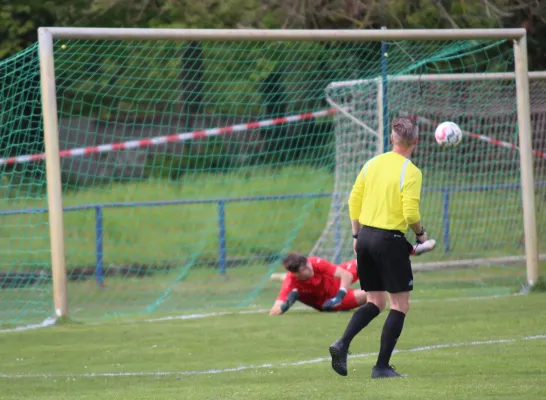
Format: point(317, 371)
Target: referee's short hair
point(293, 261)
point(405, 131)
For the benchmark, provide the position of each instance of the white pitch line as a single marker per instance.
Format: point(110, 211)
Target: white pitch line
point(260, 366)
point(44, 324)
point(473, 298)
point(264, 310)
point(51, 321)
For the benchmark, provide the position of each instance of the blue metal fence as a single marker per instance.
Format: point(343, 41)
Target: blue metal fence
point(221, 206)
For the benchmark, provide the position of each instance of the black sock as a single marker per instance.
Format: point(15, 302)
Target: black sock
point(391, 332)
point(362, 317)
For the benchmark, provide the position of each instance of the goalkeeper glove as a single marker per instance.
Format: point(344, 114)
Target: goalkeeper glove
point(292, 298)
point(329, 305)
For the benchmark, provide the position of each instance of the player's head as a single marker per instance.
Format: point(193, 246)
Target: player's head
point(298, 265)
point(404, 132)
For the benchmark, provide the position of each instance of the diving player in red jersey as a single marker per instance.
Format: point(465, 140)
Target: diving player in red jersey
point(318, 284)
point(322, 285)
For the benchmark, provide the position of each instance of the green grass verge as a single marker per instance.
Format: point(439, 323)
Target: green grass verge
point(175, 234)
point(482, 224)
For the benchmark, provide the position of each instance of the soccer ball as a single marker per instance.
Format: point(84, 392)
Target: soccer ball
point(448, 134)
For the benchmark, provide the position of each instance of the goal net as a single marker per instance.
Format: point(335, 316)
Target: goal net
point(190, 165)
point(471, 198)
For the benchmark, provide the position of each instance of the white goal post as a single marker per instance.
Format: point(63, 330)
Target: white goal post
point(50, 115)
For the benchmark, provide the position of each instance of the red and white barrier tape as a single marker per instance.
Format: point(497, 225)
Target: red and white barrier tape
point(180, 137)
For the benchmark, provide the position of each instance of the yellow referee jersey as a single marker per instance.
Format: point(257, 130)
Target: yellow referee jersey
point(387, 193)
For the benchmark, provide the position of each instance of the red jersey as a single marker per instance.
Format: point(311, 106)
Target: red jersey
point(321, 286)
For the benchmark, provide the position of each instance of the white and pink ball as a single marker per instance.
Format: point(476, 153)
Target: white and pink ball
point(448, 134)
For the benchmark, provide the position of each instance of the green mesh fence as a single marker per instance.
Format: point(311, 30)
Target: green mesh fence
point(189, 221)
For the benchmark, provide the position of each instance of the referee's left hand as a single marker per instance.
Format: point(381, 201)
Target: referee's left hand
point(354, 245)
point(423, 238)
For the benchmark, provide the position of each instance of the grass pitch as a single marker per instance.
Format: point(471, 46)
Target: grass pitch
point(452, 348)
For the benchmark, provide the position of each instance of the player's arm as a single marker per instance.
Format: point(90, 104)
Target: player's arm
point(288, 295)
point(356, 227)
point(411, 199)
point(346, 279)
point(355, 203)
point(355, 200)
point(282, 306)
point(276, 309)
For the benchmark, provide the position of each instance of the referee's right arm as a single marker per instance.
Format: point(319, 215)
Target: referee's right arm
point(355, 202)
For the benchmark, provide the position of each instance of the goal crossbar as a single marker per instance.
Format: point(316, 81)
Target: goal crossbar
point(283, 34)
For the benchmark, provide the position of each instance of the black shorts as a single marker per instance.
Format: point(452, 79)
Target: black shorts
point(384, 261)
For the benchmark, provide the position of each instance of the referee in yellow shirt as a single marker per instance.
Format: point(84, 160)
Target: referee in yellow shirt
point(383, 203)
